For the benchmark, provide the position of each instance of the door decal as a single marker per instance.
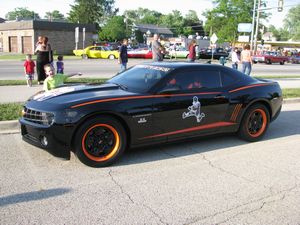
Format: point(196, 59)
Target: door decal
point(194, 110)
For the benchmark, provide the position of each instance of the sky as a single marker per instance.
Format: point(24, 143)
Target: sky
point(163, 6)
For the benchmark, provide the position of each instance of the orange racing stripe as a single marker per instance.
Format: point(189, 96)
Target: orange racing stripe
point(250, 86)
point(141, 97)
point(202, 127)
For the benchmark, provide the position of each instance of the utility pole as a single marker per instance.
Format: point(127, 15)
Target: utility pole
point(253, 22)
point(257, 25)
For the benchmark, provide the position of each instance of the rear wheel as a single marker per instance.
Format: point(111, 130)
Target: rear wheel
point(100, 141)
point(85, 56)
point(111, 57)
point(282, 63)
point(254, 123)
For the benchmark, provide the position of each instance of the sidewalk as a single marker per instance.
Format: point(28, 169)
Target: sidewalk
point(20, 93)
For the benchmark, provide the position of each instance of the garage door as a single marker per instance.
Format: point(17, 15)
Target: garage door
point(27, 45)
point(13, 44)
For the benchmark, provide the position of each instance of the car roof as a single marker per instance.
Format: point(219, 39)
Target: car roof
point(177, 65)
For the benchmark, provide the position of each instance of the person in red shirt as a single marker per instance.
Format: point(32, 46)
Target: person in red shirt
point(29, 70)
point(192, 51)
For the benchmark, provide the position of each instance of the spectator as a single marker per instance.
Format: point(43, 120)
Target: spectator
point(235, 58)
point(44, 56)
point(60, 64)
point(123, 57)
point(53, 81)
point(246, 60)
point(29, 70)
point(192, 51)
point(157, 49)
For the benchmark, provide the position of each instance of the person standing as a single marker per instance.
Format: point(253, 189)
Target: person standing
point(60, 64)
point(235, 58)
point(246, 60)
point(29, 70)
point(192, 51)
point(43, 51)
point(123, 56)
point(157, 49)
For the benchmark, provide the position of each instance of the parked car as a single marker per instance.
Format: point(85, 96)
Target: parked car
point(270, 57)
point(295, 59)
point(149, 104)
point(179, 52)
point(217, 53)
point(103, 52)
point(144, 53)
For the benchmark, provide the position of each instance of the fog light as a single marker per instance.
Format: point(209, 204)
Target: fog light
point(44, 141)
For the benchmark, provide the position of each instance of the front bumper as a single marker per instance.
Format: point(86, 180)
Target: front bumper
point(56, 139)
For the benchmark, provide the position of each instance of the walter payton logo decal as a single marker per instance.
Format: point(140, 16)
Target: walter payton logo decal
point(194, 110)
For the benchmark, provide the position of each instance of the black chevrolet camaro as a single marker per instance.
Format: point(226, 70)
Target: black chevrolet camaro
point(149, 104)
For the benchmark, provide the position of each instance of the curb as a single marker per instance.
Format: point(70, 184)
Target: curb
point(13, 126)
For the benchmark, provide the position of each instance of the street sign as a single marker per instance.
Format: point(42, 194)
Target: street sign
point(243, 38)
point(213, 38)
point(245, 27)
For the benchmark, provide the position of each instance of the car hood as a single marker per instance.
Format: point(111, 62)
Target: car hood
point(74, 94)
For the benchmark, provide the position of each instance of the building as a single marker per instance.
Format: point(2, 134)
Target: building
point(21, 36)
point(150, 29)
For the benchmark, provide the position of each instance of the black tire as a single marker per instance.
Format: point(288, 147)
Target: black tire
point(99, 142)
point(282, 63)
point(85, 56)
point(254, 124)
point(269, 61)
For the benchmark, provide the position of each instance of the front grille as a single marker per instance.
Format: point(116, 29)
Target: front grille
point(38, 117)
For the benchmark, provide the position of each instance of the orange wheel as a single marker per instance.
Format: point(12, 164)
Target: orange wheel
point(100, 141)
point(254, 123)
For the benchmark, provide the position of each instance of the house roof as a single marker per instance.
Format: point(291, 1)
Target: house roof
point(154, 29)
point(44, 25)
point(2, 20)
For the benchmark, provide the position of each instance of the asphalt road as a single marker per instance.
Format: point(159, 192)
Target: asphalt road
point(211, 181)
point(104, 68)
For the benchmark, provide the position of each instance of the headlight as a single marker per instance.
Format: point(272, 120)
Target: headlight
point(47, 118)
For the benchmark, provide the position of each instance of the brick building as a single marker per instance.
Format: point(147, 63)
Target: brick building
point(21, 36)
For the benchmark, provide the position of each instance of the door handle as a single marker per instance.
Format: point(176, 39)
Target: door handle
point(220, 96)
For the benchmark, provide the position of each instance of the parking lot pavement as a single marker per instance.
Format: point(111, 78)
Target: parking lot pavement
point(217, 180)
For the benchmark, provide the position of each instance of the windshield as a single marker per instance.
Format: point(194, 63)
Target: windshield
point(140, 78)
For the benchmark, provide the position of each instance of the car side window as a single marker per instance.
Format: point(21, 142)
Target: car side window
point(227, 79)
point(194, 80)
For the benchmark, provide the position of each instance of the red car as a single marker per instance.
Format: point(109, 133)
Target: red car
point(270, 57)
point(144, 53)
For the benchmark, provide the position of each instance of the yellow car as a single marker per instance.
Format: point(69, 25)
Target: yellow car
point(97, 52)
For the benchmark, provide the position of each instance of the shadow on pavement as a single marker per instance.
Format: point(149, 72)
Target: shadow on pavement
point(32, 196)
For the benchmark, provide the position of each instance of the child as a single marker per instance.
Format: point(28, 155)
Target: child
point(60, 64)
point(52, 81)
point(29, 70)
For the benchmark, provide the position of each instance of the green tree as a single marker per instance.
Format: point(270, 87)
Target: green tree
point(92, 11)
point(175, 22)
point(114, 29)
point(292, 23)
point(143, 16)
point(281, 34)
point(21, 13)
point(224, 18)
point(192, 23)
point(54, 15)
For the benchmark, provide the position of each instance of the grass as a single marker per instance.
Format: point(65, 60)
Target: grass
point(11, 111)
point(291, 92)
point(70, 80)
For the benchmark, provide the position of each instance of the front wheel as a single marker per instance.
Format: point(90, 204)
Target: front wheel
point(254, 123)
point(100, 141)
